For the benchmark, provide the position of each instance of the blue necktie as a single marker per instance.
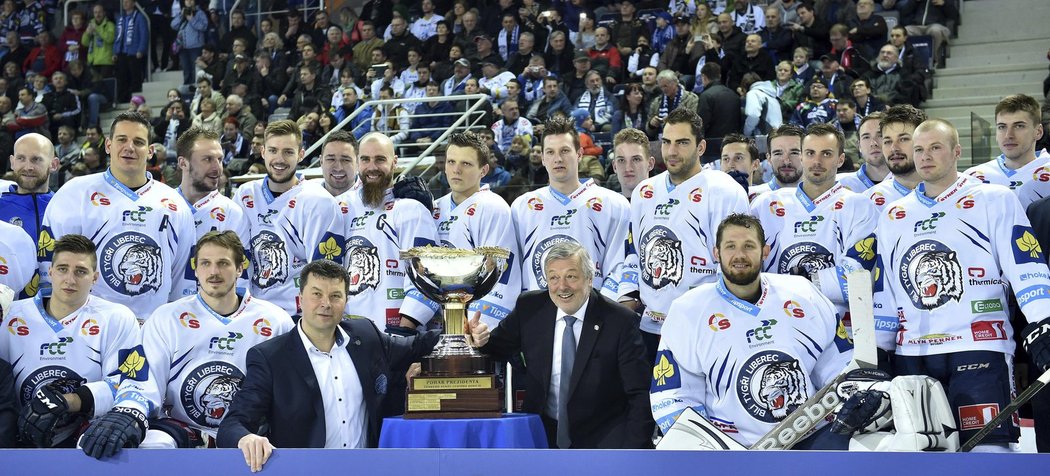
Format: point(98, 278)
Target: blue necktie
point(568, 357)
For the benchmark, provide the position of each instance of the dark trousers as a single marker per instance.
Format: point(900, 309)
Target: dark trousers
point(129, 76)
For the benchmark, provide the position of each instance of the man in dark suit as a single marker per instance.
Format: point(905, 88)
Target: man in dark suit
point(719, 108)
point(599, 387)
point(293, 381)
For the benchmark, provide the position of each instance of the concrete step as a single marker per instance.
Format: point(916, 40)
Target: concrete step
point(1007, 74)
point(991, 46)
point(957, 114)
point(995, 59)
point(942, 101)
point(974, 89)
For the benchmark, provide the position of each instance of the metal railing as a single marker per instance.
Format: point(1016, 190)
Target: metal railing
point(149, 28)
point(467, 119)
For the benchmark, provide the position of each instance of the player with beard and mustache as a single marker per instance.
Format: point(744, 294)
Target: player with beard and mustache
point(785, 156)
point(874, 169)
point(200, 159)
point(736, 326)
point(292, 221)
point(896, 128)
point(23, 203)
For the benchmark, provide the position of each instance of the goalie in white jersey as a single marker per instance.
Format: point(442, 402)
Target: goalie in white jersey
point(142, 228)
point(952, 251)
point(819, 230)
point(1019, 167)
point(184, 374)
point(200, 158)
point(895, 134)
point(749, 349)
point(673, 219)
point(65, 347)
point(568, 210)
point(377, 226)
point(874, 169)
point(472, 216)
point(292, 221)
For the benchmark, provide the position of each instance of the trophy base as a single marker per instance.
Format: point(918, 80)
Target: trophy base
point(441, 404)
point(456, 382)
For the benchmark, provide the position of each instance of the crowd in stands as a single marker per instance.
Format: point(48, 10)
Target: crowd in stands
point(746, 66)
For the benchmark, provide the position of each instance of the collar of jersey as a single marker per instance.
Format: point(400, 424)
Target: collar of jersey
point(862, 175)
point(900, 187)
point(53, 323)
point(737, 302)
point(565, 199)
point(224, 319)
point(268, 195)
point(920, 192)
point(810, 204)
point(123, 189)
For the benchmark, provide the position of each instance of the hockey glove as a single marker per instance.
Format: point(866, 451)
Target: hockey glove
point(1037, 342)
point(41, 415)
point(416, 189)
point(742, 179)
point(121, 427)
point(866, 404)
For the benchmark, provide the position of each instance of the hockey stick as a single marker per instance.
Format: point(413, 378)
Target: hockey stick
point(1009, 410)
point(799, 423)
point(694, 432)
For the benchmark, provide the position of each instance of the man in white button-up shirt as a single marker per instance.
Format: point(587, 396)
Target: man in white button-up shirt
point(321, 386)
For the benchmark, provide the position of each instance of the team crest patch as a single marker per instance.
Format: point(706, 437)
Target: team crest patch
point(270, 259)
point(661, 258)
point(771, 386)
point(208, 390)
point(931, 275)
point(665, 373)
point(540, 253)
point(131, 264)
point(330, 247)
point(362, 262)
point(810, 256)
point(133, 364)
point(1026, 247)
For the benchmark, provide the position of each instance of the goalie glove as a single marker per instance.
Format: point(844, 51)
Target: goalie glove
point(120, 427)
point(1037, 342)
point(866, 407)
point(47, 411)
point(416, 189)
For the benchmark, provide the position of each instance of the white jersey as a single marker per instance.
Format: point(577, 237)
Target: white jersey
point(886, 192)
point(287, 232)
point(86, 345)
point(483, 219)
point(673, 229)
point(18, 266)
point(424, 28)
point(379, 288)
point(192, 360)
point(996, 172)
point(143, 236)
point(756, 191)
point(829, 236)
point(595, 217)
point(858, 181)
point(747, 366)
point(949, 263)
point(214, 212)
point(1034, 178)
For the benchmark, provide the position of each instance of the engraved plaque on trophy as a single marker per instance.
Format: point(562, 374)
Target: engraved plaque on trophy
point(457, 381)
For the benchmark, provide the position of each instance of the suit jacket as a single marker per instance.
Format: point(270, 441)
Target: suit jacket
point(609, 387)
point(280, 390)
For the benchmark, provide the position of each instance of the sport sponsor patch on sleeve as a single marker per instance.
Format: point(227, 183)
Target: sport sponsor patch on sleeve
point(666, 375)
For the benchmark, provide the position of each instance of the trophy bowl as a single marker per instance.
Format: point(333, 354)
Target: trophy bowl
point(456, 380)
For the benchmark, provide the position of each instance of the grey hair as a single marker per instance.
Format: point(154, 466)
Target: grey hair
point(569, 249)
point(667, 75)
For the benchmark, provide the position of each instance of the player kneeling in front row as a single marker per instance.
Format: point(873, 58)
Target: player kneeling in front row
point(763, 345)
point(63, 347)
point(191, 360)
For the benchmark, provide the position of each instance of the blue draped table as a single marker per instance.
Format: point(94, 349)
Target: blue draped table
point(513, 430)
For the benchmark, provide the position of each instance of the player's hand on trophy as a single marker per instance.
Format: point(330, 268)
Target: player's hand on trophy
point(477, 331)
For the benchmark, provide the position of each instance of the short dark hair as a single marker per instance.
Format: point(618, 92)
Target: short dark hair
point(557, 125)
point(184, 144)
point(284, 127)
point(711, 71)
point(875, 116)
point(473, 141)
point(735, 138)
point(225, 239)
point(76, 244)
point(323, 268)
point(742, 220)
point(687, 116)
point(905, 113)
point(204, 79)
point(340, 136)
point(785, 130)
point(1019, 103)
point(135, 117)
point(824, 129)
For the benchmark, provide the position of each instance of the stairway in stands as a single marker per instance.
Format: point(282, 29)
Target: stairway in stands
point(1001, 50)
point(154, 90)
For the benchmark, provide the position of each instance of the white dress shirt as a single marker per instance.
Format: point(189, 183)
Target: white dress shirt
point(344, 403)
point(559, 328)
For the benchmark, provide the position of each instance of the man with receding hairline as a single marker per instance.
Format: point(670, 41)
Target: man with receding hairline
point(23, 204)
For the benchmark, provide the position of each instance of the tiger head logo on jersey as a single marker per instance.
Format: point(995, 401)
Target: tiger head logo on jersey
point(362, 262)
point(771, 385)
point(207, 391)
point(811, 257)
point(269, 260)
point(931, 275)
point(661, 258)
point(132, 264)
